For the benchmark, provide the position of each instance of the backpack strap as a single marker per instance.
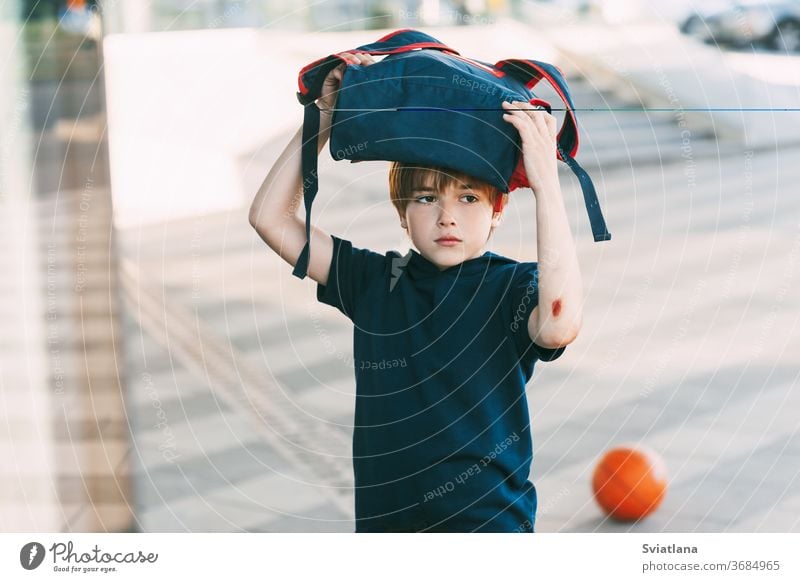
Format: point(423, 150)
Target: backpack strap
point(531, 72)
point(310, 83)
point(308, 161)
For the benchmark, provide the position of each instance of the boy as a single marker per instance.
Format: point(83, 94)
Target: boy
point(445, 338)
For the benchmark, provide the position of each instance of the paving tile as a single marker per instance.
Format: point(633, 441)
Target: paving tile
point(259, 504)
point(181, 409)
point(320, 373)
point(202, 474)
point(285, 493)
point(322, 518)
point(177, 440)
point(191, 514)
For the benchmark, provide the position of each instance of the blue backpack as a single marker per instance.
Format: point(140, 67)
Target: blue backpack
point(426, 104)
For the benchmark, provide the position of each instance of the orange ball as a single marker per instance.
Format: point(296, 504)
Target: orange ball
point(629, 483)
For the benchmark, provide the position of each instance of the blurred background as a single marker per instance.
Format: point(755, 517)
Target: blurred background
point(161, 370)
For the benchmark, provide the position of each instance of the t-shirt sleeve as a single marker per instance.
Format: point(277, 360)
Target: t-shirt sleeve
point(352, 271)
point(524, 297)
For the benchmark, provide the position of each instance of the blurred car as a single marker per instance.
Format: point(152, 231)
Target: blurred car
point(771, 23)
point(675, 12)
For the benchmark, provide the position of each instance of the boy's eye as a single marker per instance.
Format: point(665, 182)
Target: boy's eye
point(471, 198)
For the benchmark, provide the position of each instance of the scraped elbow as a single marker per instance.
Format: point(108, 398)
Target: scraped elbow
point(558, 337)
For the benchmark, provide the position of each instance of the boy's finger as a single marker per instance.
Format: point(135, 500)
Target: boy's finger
point(539, 121)
point(356, 58)
point(552, 123)
point(513, 107)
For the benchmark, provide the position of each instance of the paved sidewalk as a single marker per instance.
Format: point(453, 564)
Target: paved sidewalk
point(688, 346)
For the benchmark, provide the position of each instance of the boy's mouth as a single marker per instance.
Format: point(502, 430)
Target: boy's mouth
point(448, 240)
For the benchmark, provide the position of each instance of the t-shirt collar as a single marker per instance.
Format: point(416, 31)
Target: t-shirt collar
point(420, 268)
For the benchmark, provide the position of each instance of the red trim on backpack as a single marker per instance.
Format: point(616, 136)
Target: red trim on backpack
point(571, 113)
point(530, 84)
point(308, 67)
point(408, 47)
point(519, 179)
point(542, 102)
point(488, 68)
point(533, 82)
point(396, 32)
point(300, 84)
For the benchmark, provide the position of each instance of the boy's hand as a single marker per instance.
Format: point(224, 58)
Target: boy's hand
point(538, 131)
point(330, 87)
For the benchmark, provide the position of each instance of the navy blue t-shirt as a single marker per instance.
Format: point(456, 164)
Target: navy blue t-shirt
point(441, 438)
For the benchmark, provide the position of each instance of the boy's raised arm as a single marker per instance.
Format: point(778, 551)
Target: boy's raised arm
point(274, 215)
point(273, 212)
point(557, 319)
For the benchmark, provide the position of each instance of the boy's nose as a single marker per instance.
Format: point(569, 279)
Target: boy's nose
point(445, 218)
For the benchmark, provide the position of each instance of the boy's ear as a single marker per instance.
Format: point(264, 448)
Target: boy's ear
point(499, 206)
point(403, 218)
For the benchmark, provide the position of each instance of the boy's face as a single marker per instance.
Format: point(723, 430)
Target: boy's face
point(461, 211)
